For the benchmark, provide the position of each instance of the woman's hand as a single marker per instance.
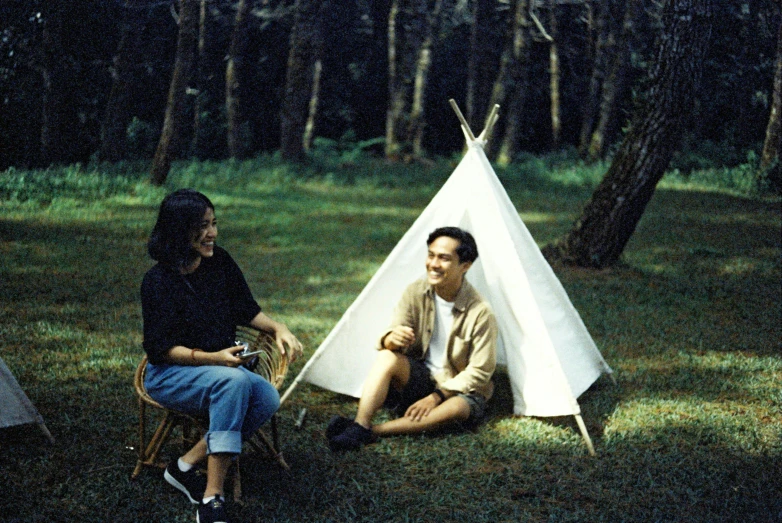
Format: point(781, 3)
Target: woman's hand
point(224, 358)
point(287, 342)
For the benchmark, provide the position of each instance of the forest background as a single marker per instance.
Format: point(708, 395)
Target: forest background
point(84, 80)
point(245, 100)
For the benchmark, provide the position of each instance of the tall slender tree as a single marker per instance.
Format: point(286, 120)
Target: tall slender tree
point(416, 122)
point(54, 73)
point(240, 40)
point(772, 146)
point(407, 29)
point(599, 236)
point(614, 80)
point(199, 76)
point(510, 85)
point(479, 60)
point(176, 106)
point(117, 116)
point(554, 76)
point(306, 48)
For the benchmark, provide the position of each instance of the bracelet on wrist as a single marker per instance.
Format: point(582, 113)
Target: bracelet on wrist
point(440, 393)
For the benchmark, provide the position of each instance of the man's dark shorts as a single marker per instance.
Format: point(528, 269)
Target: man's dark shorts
point(420, 385)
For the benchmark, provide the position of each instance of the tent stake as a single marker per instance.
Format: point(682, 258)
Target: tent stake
point(585, 434)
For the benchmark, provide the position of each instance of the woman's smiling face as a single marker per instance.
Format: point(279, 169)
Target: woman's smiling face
point(204, 240)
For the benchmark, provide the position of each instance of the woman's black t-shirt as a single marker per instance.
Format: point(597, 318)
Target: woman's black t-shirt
point(198, 310)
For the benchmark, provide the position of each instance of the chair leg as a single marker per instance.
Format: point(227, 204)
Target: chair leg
point(148, 452)
point(270, 445)
point(141, 446)
point(159, 438)
point(237, 477)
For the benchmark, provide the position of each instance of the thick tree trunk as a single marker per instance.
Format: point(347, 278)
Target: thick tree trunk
point(113, 132)
point(610, 217)
point(306, 46)
point(769, 159)
point(234, 70)
point(177, 92)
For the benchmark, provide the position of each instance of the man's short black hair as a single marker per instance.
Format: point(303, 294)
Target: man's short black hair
point(178, 221)
point(467, 251)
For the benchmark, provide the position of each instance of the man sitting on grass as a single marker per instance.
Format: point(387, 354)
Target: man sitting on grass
point(435, 363)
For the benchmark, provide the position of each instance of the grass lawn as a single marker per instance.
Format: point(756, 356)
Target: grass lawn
point(690, 323)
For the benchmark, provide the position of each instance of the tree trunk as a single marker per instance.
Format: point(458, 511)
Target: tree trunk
point(601, 58)
point(503, 83)
point(309, 128)
point(54, 86)
point(416, 124)
point(233, 79)
point(480, 61)
point(113, 132)
point(769, 159)
point(412, 30)
point(177, 92)
point(396, 95)
point(517, 90)
point(612, 85)
point(200, 84)
point(610, 217)
point(554, 77)
point(306, 46)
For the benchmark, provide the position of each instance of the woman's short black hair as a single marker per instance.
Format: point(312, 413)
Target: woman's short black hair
point(467, 251)
point(178, 221)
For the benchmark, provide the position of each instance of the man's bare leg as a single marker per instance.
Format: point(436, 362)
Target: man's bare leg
point(390, 369)
point(452, 410)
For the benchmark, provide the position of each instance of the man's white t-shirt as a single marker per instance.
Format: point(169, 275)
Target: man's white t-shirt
point(443, 322)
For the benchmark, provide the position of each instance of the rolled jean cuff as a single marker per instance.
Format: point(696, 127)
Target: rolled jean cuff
point(229, 442)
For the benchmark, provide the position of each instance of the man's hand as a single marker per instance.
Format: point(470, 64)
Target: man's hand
point(421, 408)
point(400, 336)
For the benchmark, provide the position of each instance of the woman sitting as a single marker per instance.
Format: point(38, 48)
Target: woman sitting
point(192, 300)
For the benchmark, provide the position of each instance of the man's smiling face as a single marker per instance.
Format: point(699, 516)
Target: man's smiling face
point(444, 270)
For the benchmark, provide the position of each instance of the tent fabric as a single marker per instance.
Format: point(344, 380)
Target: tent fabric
point(15, 407)
point(550, 357)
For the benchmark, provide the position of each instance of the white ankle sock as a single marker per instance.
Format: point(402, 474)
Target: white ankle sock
point(184, 467)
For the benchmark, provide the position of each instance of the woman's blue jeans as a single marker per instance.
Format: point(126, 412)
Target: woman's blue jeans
point(236, 400)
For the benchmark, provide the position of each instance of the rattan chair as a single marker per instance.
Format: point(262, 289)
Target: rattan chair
point(271, 365)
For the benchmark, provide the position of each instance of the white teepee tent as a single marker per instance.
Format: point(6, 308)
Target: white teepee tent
point(15, 407)
point(549, 354)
